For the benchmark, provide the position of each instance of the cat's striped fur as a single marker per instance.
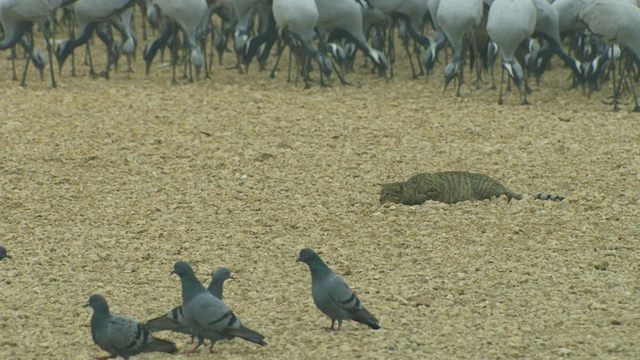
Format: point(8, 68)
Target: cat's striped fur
point(449, 187)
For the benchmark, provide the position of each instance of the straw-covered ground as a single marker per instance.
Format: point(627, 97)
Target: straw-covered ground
point(105, 184)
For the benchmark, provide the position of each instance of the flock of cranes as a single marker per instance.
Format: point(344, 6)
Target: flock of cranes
point(328, 33)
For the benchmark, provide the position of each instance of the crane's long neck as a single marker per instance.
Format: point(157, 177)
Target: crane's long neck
point(13, 35)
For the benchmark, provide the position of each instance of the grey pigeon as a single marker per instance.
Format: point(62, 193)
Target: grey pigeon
point(3, 253)
point(332, 295)
point(121, 335)
point(174, 319)
point(207, 316)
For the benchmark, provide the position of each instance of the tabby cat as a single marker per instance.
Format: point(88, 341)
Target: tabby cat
point(449, 187)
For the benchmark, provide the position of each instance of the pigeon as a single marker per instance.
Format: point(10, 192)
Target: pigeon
point(206, 315)
point(3, 253)
point(174, 319)
point(121, 335)
point(332, 295)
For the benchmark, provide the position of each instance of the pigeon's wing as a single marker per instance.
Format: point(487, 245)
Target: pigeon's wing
point(209, 312)
point(344, 300)
point(121, 333)
point(342, 296)
point(214, 320)
point(126, 337)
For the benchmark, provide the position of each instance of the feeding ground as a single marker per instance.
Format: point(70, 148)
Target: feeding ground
point(105, 184)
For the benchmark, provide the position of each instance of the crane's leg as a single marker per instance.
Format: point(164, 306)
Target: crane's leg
point(72, 35)
point(211, 54)
point(304, 69)
point(491, 61)
point(106, 36)
point(416, 52)
point(391, 51)
point(524, 91)
point(292, 49)
point(500, 102)
point(478, 55)
point(87, 54)
point(13, 64)
point(281, 47)
point(633, 88)
point(613, 79)
point(47, 39)
point(174, 56)
point(405, 43)
point(144, 24)
point(206, 61)
point(26, 66)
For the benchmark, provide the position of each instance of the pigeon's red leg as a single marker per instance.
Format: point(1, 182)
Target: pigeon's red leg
point(332, 328)
point(195, 350)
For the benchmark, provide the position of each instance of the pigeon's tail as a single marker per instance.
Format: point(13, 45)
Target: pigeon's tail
point(162, 323)
point(162, 346)
point(249, 335)
point(166, 323)
point(365, 317)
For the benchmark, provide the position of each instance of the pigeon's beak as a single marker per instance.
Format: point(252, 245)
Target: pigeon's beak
point(231, 277)
point(172, 272)
point(86, 305)
point(298, 260)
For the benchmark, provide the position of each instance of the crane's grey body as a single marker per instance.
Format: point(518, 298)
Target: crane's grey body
point(509, 23)
point(568, 20)
point(548, 28)
point(244, 10)
point(17, 18)
point(189, 15)
point(412, 12)
point(332, 295)
point(619, 22)
point(121, 335)
point(299, 18)
point(347, 16)
point(124, 24)
point(616, 21)
point(458, 18)
point(89, 15)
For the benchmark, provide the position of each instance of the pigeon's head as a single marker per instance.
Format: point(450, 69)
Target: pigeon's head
point(307, 255)
point(98, 303)
point(3, 253)
point(182, 268)
point(222, 274)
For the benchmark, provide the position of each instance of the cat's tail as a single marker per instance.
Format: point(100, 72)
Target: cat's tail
point(513, 195)
point(548, 197)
